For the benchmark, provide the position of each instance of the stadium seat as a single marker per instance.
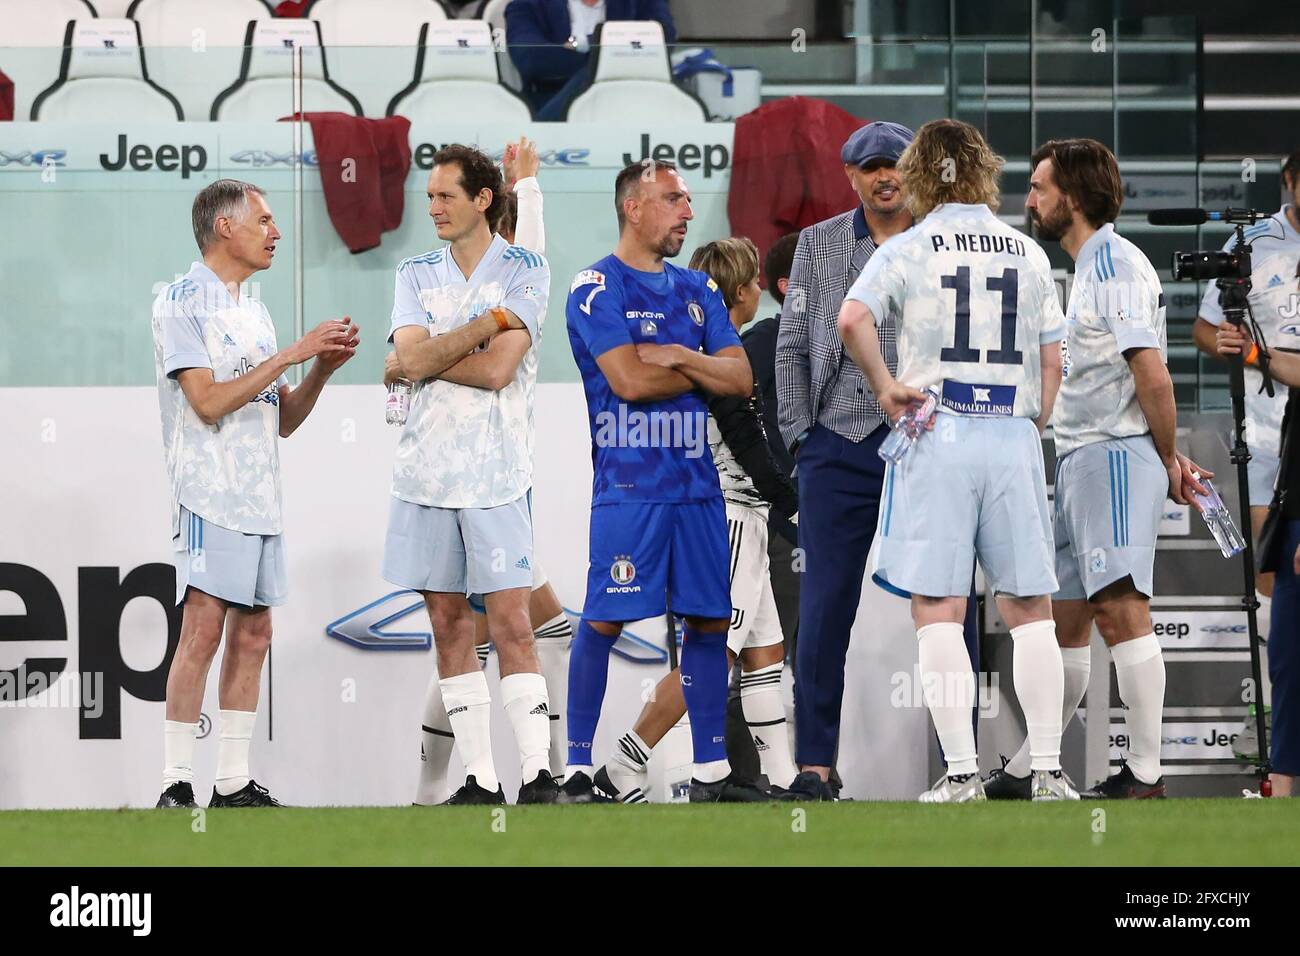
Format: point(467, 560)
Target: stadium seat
point(373, 22)
point(103, 75)
point(456, 78)
point(171, 23)
point(195, 46)
point(632, 81)
point(40, 22)
point(264, 91)
point(494, 12)
point(113, 8)
point(31, 44)
point(372, 43)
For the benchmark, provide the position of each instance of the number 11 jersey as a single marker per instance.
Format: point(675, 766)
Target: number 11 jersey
point(973, 300)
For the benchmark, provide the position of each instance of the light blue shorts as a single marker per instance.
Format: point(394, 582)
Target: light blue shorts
point(1261, 475)
point(970, 488)
point(459, 550)
point(250, 570)
point(1109, 499)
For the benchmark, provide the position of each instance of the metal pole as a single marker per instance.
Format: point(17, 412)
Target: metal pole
point(299, 284)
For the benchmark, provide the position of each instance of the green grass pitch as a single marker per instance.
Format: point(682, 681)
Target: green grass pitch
point(1164, 833)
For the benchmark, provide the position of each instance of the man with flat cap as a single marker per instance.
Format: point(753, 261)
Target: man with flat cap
point(834, 427)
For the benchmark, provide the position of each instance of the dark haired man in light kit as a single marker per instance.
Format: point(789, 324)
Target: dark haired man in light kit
point(467, 321)
point(224, 400)
point(1115, 457)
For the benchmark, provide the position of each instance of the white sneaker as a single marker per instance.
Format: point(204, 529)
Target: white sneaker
point(965, 789)
point(1052, 785)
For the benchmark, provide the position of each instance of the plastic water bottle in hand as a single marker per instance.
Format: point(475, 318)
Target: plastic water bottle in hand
point(1218, 518)
point(910, 426)
point(399, 402)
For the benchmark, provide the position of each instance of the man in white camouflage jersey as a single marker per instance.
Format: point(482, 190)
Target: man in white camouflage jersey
point(1115, 458)
point(1275, 256)
point(467, 323)
point(224, 400)
point(979, 320)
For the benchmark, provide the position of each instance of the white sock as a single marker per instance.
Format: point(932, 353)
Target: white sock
point(1039, 678)
point(711, 772)
point(1140, 679)
point(1264, 615)
point(483, 652)
point(232, 750)
point(949, 687)
point(469, 710)
point(436, 745)
point(552, 640)
point(1077, 664)
point(760, 698)
point(627, 767)
point(178, 751)
point(524, 697)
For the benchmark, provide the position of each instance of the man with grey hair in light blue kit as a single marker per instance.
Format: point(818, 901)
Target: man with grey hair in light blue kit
point(225, 402)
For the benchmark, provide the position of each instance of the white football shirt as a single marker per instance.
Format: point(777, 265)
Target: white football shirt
point(1275, 302)
point(1117, 304)
point(227, 473)
point(461, 446)
point(973, 300)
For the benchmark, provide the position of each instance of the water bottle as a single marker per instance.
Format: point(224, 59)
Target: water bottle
point(399, 402)
point(910, 426)
point(1218, 518)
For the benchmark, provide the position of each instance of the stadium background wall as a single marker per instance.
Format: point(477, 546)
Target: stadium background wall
point(337, 724)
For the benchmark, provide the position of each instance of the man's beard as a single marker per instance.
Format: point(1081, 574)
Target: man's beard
point(669, 246)
point(897, 204)
point(1054, 227)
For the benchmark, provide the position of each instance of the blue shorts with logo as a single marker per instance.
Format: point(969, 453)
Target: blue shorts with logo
point(459, 550)
point(641, 552)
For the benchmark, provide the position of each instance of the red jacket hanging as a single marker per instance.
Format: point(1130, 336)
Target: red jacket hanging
point(786, 171)
point(363, 165)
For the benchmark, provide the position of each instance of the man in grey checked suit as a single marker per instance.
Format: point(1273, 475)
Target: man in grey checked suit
point(833, 426)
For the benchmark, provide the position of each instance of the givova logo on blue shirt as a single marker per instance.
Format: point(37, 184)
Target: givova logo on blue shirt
point(994, 400)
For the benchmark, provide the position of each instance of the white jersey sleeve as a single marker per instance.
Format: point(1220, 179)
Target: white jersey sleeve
point(530, 228)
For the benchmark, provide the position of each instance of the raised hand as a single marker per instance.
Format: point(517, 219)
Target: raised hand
point(333, 359)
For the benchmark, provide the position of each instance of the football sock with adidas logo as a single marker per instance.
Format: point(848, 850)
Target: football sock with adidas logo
point(760, 698)
point(526, 704)
point(469, 710)
point(553, 639)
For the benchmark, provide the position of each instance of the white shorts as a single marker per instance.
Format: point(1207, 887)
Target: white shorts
point(970, 488)
point(754, 621)
point(1261, 476)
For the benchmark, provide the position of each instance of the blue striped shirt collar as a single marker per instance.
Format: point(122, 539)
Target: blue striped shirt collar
point(1094, 244)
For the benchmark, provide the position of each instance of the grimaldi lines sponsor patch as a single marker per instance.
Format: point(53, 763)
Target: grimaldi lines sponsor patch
point(968, 399)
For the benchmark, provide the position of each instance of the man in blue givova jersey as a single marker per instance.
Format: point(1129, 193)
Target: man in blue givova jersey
point(978, 318)
point(648, 337)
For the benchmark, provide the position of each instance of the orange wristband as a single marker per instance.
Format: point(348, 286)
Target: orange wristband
point(1254, 353)
point(503, 321)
